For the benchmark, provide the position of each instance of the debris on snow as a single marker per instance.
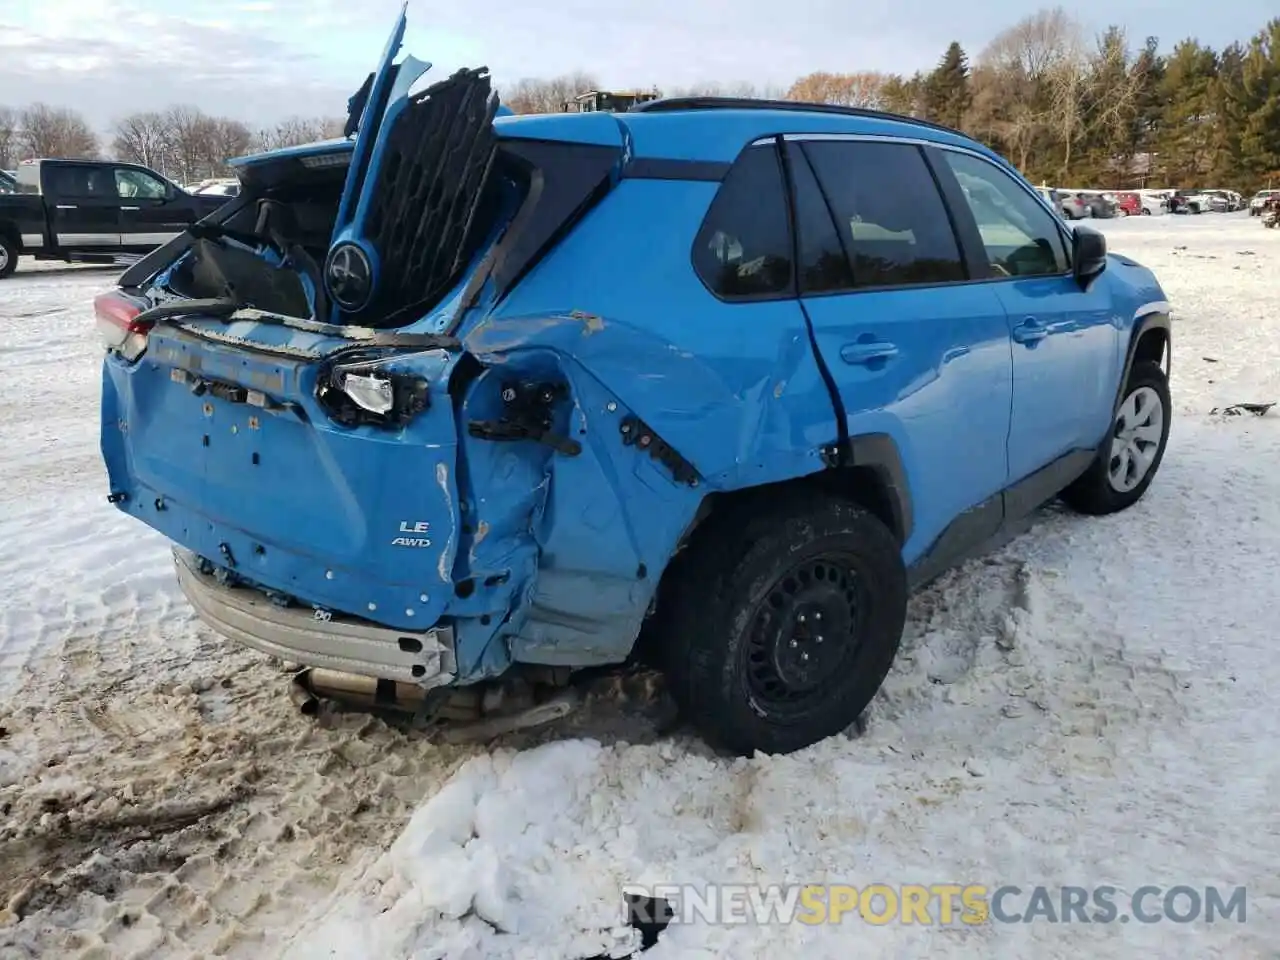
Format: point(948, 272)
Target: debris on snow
point(1236, 409)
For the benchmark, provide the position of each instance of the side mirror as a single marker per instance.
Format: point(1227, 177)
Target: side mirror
point(1088, 255)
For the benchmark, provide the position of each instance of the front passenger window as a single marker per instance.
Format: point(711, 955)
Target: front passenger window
point(131, 184)
point(1021, 238)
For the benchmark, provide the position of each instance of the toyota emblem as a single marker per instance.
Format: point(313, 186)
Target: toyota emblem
point(349, 276)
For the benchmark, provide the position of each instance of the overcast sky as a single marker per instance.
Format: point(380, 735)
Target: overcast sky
point(260, 60)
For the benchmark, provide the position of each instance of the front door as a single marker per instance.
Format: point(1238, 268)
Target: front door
point(84, 208)
point(149, 213)
point(1064, 338)
point(915, 351)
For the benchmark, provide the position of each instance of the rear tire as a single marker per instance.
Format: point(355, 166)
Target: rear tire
point(8, 257)
point(1146, 212)
point(784, 621)
point(1130, 455)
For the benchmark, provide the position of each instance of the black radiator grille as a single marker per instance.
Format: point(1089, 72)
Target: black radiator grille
point(423, 219)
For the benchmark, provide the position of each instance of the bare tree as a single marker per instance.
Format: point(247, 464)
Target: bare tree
point(547, 96)
point(1035, 43)
point(8, 137)
point(1002, 112)
point(190, 132)
point(738, 90)
point(1111, 100)
point(295, 131)
point(1068, 78)
point(844, 89)
point(55, 132)
point(1023, 81)
point(144, 138)
point(227, 139)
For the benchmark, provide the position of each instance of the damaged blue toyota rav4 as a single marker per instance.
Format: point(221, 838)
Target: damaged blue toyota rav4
point(465, 397)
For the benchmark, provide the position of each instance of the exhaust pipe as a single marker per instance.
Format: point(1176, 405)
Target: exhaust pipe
point(470, 713)
point(302, 696)
point(313, 684)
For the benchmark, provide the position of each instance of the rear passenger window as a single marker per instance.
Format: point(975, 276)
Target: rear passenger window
point(885, 201)
point(69, 181)
point(743, 250)
point(824, 261)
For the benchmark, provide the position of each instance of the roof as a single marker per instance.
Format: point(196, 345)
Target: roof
point(712, 129)
point(716, 128)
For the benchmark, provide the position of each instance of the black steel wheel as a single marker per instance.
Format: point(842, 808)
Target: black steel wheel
point(782, 622)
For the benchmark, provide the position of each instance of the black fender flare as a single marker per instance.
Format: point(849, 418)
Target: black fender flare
point(1156, 317)
point(878, 452)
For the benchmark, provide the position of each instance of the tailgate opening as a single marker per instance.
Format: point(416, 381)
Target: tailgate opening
point(452, 214)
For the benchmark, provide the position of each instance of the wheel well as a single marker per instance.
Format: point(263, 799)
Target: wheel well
point(864, 484)
point(1152, 346)
point(10, 232)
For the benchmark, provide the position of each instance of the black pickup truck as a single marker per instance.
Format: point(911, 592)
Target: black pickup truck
point(92, 211)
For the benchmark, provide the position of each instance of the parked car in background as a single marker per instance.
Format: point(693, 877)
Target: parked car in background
point(1101, 207)
point(397, 454)
point(1073, 206)
point(1128, 204)
point(1154, 203)
point(1185, 201)
point(92, 211)
point(1271, 211)
point(1214, 201)
point(220, 187)
point(1259, 201)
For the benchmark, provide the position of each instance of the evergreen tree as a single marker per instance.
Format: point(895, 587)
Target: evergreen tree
point(1147, 77)
point(946, 90)
point(1231, 111)
point(1260, 83)
point(904, 95)
point(1185, 141)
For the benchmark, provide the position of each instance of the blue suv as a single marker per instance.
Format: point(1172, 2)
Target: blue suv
point(466, 397)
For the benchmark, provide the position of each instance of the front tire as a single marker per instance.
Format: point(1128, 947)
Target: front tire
point(784, 622)
point(1130, 455)
point(8, 257)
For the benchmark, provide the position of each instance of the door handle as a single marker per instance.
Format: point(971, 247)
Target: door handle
point(865, 353)
point(1030, 330)
point(66, 206)
point(130, 208)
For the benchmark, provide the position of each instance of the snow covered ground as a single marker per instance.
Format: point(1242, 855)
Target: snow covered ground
point(1092, 705)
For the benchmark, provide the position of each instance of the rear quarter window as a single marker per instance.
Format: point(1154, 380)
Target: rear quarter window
point(743, 248)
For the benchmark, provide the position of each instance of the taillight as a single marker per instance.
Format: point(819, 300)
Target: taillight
point(116, 315)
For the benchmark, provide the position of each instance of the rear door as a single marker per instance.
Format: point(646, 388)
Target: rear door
point(150, 213)
point(1064, 338)
point(84, 208)
point(915, 350)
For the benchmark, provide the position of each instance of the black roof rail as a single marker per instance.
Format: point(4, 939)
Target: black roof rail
point(794, 106)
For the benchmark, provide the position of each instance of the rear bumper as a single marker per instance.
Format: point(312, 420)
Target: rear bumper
point(339, 643)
